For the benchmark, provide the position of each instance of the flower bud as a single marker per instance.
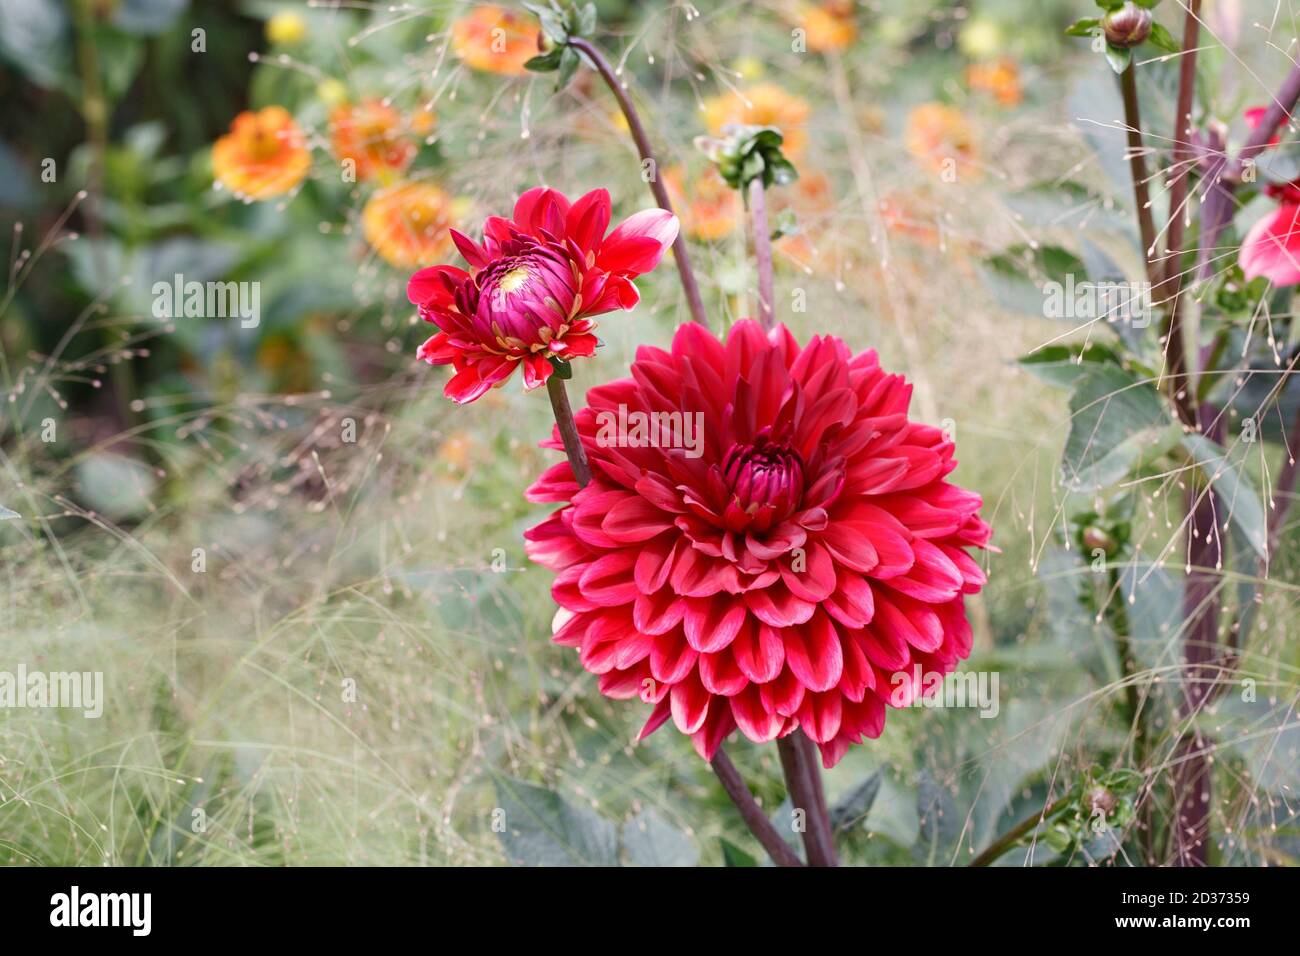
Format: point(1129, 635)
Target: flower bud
point(1099, 798)
point(1095, 538)
point(1128, 26)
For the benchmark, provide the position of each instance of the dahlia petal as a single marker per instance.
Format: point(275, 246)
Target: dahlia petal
point(587, 219)
point(778, 607)
point(720, 675)
point(437, 350)
point(638, 244)
point(759, 651)
point(816, 581)
point(919, 629)
point(973, 576)
point(813, 653)
point(754, 720)
point(474, 254)
point(853, 603)
point(554, 484)
point(634, 519)
point(1272, 247)
point(608, 581)
point(717, 725)
point(671, 658)
point(690, 704)
point(783, 695)
point(537, 369)
point(712, 623)
point(654, 564)
point(819, 716)
point(933, 578)
point(541, 209)
point(435, 285)
point(661, 713)
point(659, 612)
point(624, 684)
point(852, 548)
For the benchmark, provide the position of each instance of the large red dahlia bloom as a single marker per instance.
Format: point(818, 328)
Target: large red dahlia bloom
point(537, 279)
point(787, 570)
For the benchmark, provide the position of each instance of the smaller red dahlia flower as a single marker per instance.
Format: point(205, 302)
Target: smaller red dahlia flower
point(537, 279)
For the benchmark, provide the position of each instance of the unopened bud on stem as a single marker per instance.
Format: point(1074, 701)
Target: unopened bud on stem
point(1128, 26)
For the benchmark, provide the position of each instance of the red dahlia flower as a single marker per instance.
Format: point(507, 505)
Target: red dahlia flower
point(1272, 246)
point(535, 283)
point(780, 570)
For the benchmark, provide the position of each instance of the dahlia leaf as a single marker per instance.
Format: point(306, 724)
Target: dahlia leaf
point(1115, 419)
point(541, 828)
point(1083, 28)
point(1119, 58)
point(1236, 498)
point(649, 840)
point(1019, 276)
point(733, 855)
point(852, 810)
point(1064, 365)
point(1163, 39)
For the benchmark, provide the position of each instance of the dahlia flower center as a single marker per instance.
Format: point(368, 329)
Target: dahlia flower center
point(765, 481)
point(513, 279)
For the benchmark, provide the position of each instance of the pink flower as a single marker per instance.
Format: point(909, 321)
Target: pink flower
point(785, 558)
point(1272, 246)
point(535, 283)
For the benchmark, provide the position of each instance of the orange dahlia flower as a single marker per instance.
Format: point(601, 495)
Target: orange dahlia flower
point(829, 26)
point(938, 135)
point(708, 207)
point(763, 105)
point(407, 224)
point(264, 154)
point(370, 134)
point(1000, 79)
point(496, 40)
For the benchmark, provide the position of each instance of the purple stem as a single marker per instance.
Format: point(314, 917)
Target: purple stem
point(692, 289)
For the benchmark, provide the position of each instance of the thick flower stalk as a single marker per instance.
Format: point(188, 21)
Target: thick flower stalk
point(767, 542)
point(535, 283)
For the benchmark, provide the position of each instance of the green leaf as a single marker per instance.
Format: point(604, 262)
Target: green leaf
point(852, 811)
point(587, 20)
point(1118, 58)
point(1064, 365)
point(733, 855)
point(649, 840)
point(1236, 498)
point(562, 368)
point(1017, 276)
point(1163, 39)
point(1083, 28)
point(1114, 420)
point(544, 62)
point(544, 829)
point(568, 66)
